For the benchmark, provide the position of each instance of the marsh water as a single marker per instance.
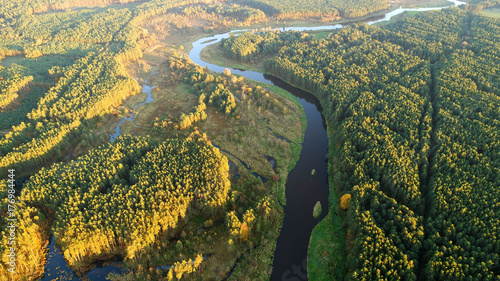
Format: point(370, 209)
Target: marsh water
point(145, 89)
point(57, 268)
point(302, 189)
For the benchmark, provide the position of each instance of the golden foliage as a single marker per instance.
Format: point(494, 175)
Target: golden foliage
point(344, 201)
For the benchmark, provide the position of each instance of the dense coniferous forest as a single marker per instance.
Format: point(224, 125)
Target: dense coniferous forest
point(413, 113)
point(132, 191)
point(412, 109)
point(99, 41)
point(84, 90)
point(347, 9)
point(64, 73)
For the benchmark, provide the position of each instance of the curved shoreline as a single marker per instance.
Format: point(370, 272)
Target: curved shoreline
point(305, 102)
point(302, 189)
point(283, 265)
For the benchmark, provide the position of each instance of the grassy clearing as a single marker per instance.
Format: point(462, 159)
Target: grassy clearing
point(296, 147)
point(166, 100)
point(251, 137)
point(412, 13)
point(326, 242)
point(173, 100)
point(8, 61)
point(320, 35)
point(213, 54)
point(494, 12)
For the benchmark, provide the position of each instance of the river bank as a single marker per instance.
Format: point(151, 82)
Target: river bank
point(210, 53)
point(304, 187)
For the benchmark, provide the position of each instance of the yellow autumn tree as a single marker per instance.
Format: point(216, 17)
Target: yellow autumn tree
point(244, 231)
point(344, 201)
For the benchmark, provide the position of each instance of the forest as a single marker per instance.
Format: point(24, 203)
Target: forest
point(339, 8)
point(413, 111)
point(65, 69)
point(164, 184)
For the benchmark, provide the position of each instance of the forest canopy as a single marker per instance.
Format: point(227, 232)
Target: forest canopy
point(415, 107)
point(412, 109)
point(121, 197)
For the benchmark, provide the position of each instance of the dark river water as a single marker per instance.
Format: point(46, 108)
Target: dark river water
point(302, 189)
point(57, 268)
point(302, 192)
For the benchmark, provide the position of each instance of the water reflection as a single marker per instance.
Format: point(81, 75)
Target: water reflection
point(146, 89)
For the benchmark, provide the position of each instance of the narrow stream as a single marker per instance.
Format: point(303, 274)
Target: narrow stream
point(56, 266)
point(302, 189)
point(145, 89)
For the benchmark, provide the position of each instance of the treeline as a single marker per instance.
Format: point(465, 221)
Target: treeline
point(273, 7)
point(346, 9)
point(122, 196)
point(81, 26)
point(76, 33)
point(478, 5)
point(248, 46)
point(17, 8)
point(242, 13)
point(413, 108)
point(40, 72)
point(87, 89)
point(73, 33)
point(11, 86)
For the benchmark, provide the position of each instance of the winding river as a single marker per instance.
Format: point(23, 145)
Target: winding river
point(302, 189)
